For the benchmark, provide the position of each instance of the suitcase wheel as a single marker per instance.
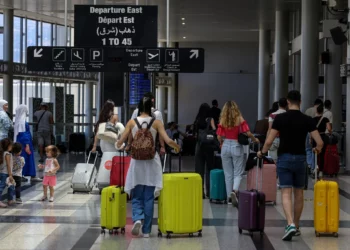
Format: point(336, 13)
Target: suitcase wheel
point(160, 234)
point(110, 231)
point(200, 234)
point(211, 200)
point(122, 231)
point(240, 231)
point(261, 232)
point(251, 234)
point(103, 231)
point(335, 235)
point(191, 235)
point(168, 236)
point(317, 234)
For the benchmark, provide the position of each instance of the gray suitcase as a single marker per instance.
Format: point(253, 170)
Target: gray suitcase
point(82, 180)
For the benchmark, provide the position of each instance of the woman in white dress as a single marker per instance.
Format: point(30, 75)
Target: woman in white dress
point(144, 179)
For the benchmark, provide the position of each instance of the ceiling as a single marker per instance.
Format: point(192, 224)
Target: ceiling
point(205, 20)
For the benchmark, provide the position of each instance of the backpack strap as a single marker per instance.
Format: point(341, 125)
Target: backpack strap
point(137, 123)
point(151, 123)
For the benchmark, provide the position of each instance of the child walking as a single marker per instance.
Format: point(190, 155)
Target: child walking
point(50, 169)
point(6, 170)
point(18, 164)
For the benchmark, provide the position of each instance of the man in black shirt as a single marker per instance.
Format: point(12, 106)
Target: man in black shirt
point(215, 112)
point(292, 126)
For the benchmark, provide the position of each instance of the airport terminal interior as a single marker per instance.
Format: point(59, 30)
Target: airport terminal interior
point(69, 58)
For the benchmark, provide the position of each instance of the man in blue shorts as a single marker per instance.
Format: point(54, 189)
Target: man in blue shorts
point(292, 127)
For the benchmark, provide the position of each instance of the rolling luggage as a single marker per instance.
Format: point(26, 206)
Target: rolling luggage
point(331, 160)
point(267, 182)
point(82, 179)
point(326, 207)
point(104, 170)
point(251, 208)
point(217, 186)
point(119, 164)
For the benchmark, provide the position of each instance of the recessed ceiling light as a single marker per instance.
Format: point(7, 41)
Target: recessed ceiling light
point(183, 23)
point(184, 37)
point(183, 19)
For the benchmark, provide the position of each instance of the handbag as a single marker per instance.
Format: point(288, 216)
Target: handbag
point(243, 138)
point(107, 133)
point(207, 138)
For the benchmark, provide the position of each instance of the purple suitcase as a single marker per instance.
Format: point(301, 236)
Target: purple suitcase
point(251, 209)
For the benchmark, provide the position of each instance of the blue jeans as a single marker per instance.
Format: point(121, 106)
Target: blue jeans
point(310, 156)
point(232, 156)
point(143, 206)
point(291, 170)
point(11, 189)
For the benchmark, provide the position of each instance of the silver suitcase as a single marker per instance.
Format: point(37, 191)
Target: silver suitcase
point(82, 180)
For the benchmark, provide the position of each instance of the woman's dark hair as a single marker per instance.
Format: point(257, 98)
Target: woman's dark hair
point(320, 108)
point(274, 107)
point(105, 113)
point(16, 148)
point(145, 106)
point(203, 112)
point(4, 145)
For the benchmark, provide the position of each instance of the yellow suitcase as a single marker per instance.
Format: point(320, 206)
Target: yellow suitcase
point(326, 207)
point(180, 205)
point(113, 209)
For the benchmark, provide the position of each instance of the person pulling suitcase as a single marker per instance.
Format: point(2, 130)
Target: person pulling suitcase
point(293, 127)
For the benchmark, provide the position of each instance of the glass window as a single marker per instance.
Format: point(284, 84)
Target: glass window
point(31, 33)
point(16, 94)
point(24, 39)
point(60, 35)
point(47, 32)
point(30, 90)
point(39, 33)
point(46, 91)
point(1, 89)
point(17, 39)
point(72, 37)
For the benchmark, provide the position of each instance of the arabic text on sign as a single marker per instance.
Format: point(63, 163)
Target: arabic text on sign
point(115, 31)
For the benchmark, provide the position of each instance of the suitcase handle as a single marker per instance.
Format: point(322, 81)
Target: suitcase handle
point(259, 170)
point(316, 167)
point(88, 159)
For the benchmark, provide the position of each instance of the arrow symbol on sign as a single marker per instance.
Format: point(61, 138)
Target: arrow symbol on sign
point(195, 53)
point(37, 53)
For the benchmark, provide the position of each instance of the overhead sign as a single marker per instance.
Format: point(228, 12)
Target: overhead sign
point(115, 25)
point(138, 60)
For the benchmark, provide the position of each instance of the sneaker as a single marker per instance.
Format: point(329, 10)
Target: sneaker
point(3, 205)
point(145, 235)
point(19, 201)
point(234, 199)
point(229, 201)
point(289, 232)
point(51, 199)
point(11, 202)
point(297, 232)
point(36, 179)
point(136, 228)
point(44, 198)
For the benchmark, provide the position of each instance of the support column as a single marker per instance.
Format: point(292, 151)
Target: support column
point(281, 53)
point(309, 52)
point(296, 57)
point(347, 136)
point(264, 73)
point(161, 99)
point(171, 94)
point(8, 57)
point(334, 87)
point(88, 129)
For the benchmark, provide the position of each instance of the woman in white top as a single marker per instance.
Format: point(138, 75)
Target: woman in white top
point(144, 179)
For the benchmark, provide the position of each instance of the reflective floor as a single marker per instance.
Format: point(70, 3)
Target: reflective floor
point(72, 222)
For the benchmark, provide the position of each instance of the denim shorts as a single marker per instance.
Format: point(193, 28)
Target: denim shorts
point(291, 170)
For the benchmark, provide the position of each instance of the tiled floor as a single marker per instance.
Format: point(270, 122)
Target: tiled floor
point(72, 222)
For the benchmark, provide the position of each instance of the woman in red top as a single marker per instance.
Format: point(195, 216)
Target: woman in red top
point(232, 154)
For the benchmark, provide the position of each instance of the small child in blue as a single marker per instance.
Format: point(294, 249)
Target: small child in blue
point(18, 164)
point(6, 165)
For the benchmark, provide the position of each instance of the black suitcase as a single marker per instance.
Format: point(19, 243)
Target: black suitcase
point(77, 142)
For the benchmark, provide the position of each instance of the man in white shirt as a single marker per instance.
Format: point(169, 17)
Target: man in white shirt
point(327, 112)
point(282, 104)
point(312, 111)
point(156, 114)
